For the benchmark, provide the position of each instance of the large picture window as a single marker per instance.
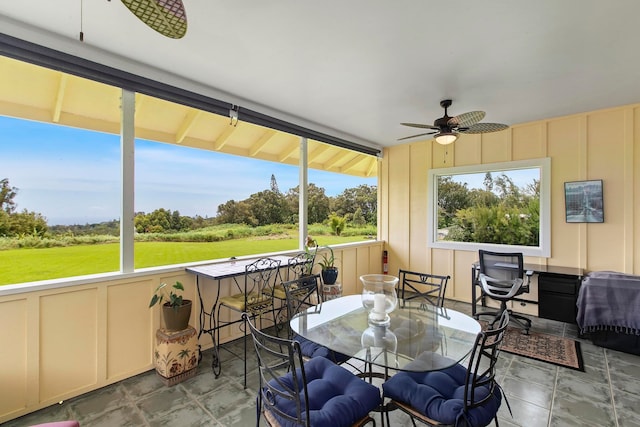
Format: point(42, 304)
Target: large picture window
point(500, 206)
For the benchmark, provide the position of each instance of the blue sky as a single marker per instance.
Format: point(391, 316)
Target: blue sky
point(72, 176)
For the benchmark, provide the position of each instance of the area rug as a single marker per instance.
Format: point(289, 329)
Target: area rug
point(544, 347)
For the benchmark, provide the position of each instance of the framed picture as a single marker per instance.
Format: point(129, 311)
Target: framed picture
point(583, 201)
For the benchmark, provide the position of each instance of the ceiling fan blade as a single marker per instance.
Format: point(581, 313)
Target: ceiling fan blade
point(485, 128)
point(420, 125)
point(466, 119)
point(415, 136)
point(168, 17)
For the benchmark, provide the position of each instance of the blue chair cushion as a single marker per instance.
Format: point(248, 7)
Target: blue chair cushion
point(311, 349)
point(336, 396)
point(439, 395)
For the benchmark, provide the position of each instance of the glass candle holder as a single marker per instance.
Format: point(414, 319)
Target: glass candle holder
point(379, 296)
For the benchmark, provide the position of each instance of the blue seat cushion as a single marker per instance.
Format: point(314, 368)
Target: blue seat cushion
point(311, 349)
point(439, 395)
point(336, 396)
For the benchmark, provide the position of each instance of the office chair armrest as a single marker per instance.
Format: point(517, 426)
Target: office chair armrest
point(506, 289)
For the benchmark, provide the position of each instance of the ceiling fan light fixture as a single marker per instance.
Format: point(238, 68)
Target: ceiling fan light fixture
point(445, 138)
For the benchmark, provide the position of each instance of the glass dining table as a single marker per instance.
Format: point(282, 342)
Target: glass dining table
point(419, 337)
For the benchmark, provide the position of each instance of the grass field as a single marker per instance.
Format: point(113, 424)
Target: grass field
point(28, 265)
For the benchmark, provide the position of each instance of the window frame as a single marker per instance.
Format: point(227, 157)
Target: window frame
point(544, 247)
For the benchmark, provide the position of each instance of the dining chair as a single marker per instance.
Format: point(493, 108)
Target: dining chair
point(313, 393)
point(429, 288)
point(297, 266)
point(252, 298)
point(458, 395)
point(301, 294)
point(502, 278)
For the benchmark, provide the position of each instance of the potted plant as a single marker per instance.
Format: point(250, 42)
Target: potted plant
point(175, 310)
point(329, 270)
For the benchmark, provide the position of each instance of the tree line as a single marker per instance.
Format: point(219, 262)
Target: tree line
point(501, 212)
point(354, 206)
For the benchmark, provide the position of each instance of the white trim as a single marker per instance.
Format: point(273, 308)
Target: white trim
point(543, 250)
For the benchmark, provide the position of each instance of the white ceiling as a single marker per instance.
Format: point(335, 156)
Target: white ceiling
point(360, 67)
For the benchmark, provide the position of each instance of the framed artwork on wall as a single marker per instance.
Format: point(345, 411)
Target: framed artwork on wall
point(583, 201)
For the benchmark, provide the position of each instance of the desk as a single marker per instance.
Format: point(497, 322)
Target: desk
point(557, 291)
point(342, 326)
point(218, 272)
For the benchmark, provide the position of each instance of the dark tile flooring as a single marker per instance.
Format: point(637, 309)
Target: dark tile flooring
point(540, 394)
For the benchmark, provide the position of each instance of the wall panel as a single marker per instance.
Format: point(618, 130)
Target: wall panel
point(13, 357)
point(68, 342)
point(529, 142)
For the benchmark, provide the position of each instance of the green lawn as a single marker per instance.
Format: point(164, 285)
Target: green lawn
point(27, 265)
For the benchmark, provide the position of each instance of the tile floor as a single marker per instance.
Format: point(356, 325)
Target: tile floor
point(540, 394)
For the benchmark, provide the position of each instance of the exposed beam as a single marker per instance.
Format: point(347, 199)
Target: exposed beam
point(290, 151)
point(351, 163)
point(221, 140)
point(262, 142)
point(139, 100)
point(187, 124)
point(373, 166)
point(322, 148)
point(57, 108)
point(332, 162)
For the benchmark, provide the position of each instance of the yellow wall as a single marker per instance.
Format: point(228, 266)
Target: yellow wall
point(603, 144)
point(58, 343)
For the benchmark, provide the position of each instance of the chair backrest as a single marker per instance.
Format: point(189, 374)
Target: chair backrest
point(300, 265)
point(260, 277)
point(481, 371)
point(429, 288)
point(302, 293)
point(501, 265)
point(277, 357)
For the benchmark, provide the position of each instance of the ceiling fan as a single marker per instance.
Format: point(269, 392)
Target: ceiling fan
point(446, 129)
point(167, 17)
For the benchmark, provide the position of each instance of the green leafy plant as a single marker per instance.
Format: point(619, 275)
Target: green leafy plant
point(327, 259)
point(161, 294)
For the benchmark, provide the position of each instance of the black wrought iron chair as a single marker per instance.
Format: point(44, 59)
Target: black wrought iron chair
point(251, 298)
point(303, 293)
point(456, 396)
point(288, 384)
point(297, 266)
point(502, 278)
point(429, 288)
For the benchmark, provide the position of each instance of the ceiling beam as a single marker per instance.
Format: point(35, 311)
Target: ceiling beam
point(262, 142)
point(57, 108)
point(351, 163)
point(188, 122)
point(222, 139)
point(373, 167)
point(293, 148)
point(332, 162)
point(322, 148)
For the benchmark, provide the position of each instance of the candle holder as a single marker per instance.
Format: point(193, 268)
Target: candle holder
point(379, 297)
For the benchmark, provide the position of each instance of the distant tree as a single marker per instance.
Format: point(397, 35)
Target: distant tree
point(268, 207)
point(317, 203)
point(7, 194)
point(27, 223)
point(452, 196)
point(161, 221)
point(274, 184)
point(364, 197)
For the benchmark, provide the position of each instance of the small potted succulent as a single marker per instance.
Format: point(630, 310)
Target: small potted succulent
point(175, 310)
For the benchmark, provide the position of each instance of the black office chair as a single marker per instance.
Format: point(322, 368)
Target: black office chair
point(502, 278)
point(429, 288)
point(288, 384)
point(456, 396)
